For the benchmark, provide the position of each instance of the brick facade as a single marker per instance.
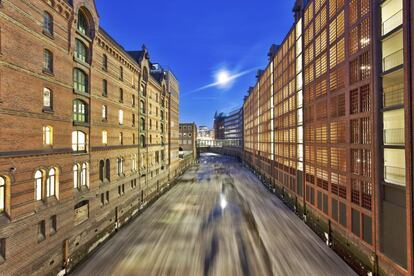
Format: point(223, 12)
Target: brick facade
point(99, 181)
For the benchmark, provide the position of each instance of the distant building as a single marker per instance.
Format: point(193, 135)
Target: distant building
point(219, 126)
point(187, 138)
point(233, 128)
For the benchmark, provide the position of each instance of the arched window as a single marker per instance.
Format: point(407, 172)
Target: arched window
point(101, 170)
point(80, 81)
point(76, 176)
point(142, 107)
point(142, 141)
point(105, 62)
point(81, 51)
point(47, 61)
point(162, 128)
point(121, 138)
point(134, 163)
point(51, 183)
point(142, 124)
point(2, 194)
point(78, 141)
point(80, 111)
point(108, 169)
point(38, 185)
point(47, 99)
point(83, 25)
point(121, 73)
point(84, 175)
point(145, 74)
point(47, 23)
point(48, 135)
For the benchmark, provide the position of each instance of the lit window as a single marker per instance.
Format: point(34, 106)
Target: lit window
point(38, 185)
point(104, 137)
point(78, 141)
point(2, 194)
point(104, 112)
point(84, 175)
point(76, 176)
point(81, 51)
point(47, 99)
point(47, 23)
point(121, 117)
point(47, 61)
point(48, 135)
point(80, 113)
point(80, 81)
point(51, 183)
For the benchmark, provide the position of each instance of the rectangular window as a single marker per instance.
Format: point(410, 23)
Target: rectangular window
point(41, 231)
point(47, 61)
point(356, 223)
point(53, 225)
point(47, 135)
point(104, 137)
point(104, 112)
point(121, 117)
point(2, 250)
point(104, 88)
point(121, 95)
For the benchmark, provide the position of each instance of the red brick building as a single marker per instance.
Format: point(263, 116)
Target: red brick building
point(88, 134)
point(329, 125)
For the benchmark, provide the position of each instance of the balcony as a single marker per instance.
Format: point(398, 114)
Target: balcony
point(394, 136)
point(393, 60)
point(392, 22)
point(393, 51)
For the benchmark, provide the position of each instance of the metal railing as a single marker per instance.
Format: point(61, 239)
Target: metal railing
point(393, 60)
point(394, 95)
point(393, 22)
point(395, 175)
point(394, 136)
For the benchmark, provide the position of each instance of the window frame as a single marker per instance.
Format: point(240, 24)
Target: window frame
point(47, 136)
point(39, 179)
point(51, 183)
point(48, 24)
point(81, 51)
point(3, 195)
point(78, 113)
point(80, 81)
point(50, 99)
point(76, 145)
point(47, 61)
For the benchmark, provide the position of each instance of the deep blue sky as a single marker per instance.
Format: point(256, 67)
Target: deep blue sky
point(197, 38)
